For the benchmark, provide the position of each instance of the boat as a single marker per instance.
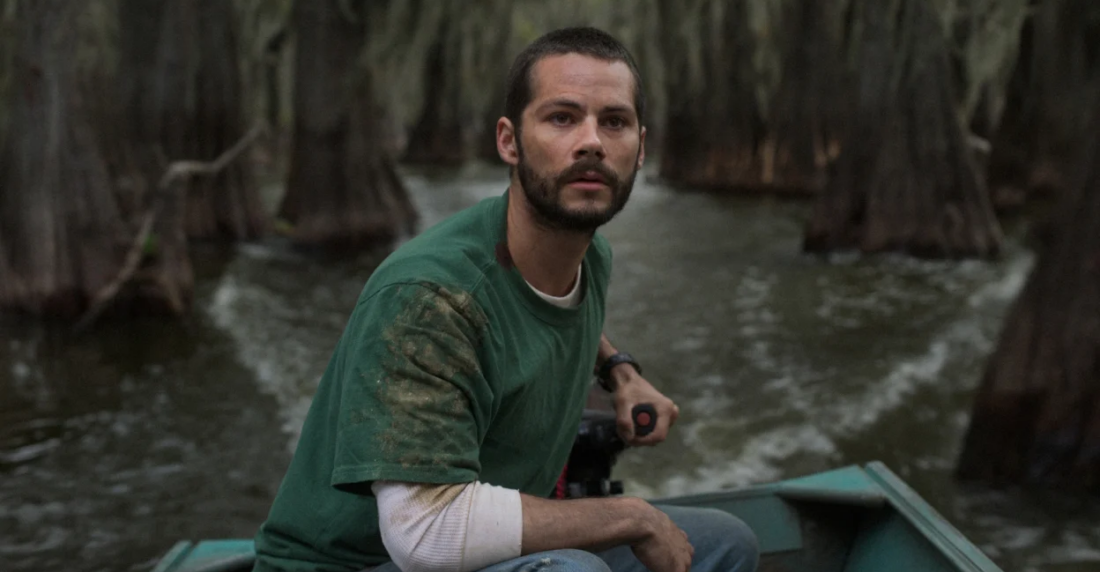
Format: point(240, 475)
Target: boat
point(852, 519)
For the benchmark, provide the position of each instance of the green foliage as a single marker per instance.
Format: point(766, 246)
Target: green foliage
point(151, 247)
point(283, 227)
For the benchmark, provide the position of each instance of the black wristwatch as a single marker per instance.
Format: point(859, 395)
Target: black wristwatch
point(604, 374)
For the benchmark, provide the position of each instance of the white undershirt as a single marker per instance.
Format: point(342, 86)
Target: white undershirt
point(570, 300)
point(460, 527)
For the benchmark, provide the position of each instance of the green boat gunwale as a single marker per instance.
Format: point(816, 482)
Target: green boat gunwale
point(774, 509)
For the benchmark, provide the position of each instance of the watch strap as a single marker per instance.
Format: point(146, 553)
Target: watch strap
point(604, 374)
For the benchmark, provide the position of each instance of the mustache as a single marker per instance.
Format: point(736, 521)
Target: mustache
point(583, 166)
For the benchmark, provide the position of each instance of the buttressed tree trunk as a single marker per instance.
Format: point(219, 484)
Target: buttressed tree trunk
point(182, 87)
point(1036, 415)
point(342, 189)
point(803, 131)
point(61, 235)
point(714, 126)
point(905, 180)
point(1050, 100)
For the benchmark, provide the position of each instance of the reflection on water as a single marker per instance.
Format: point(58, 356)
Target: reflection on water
point(114, 446)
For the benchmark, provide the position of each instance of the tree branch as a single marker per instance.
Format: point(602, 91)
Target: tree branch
point(177, 172)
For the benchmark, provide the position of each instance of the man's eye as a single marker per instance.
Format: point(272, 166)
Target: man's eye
point(615, 122)
point(560, 118)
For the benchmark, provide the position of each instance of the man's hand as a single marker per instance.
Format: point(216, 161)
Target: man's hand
point(666, 547)
point(632, 389)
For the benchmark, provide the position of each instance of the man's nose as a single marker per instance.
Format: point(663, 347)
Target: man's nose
point(589, 144)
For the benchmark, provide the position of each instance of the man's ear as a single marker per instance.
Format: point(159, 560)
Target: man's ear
point(641, 149)
point(506, 141)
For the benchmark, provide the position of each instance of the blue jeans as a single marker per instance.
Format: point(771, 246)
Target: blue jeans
point(721, 541)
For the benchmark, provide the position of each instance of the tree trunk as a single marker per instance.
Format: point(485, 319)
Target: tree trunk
point(714, 126)
point(494, 80)
point(485, 146)
point(11, 285)
point(803, 134)
point(182, 85)
point(905, 180)
point(342, 187)
point(1051, 98)
point(439, 136)
point(459, 51)
point(64, 234)
point(1036, 416)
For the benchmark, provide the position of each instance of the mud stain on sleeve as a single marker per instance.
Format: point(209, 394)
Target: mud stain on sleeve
point(430, 365)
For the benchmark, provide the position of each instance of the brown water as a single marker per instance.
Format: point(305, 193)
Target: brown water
point(115, 445)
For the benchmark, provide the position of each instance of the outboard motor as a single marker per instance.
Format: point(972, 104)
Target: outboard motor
point(595, 450)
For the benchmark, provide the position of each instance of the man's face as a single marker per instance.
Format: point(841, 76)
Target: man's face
point(580, 145)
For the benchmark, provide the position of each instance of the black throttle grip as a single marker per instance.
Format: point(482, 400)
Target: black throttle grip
point(645, 419)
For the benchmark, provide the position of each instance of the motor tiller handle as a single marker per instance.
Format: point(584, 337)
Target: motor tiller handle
point(645, 419)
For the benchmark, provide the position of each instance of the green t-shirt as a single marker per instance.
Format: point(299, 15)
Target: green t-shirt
point(451, 369)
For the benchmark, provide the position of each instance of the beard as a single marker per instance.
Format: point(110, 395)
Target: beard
point(544, 195)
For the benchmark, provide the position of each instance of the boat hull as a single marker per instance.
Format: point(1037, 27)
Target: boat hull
point(853, 519)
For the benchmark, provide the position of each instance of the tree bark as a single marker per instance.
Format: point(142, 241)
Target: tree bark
point(11, 284)
point(905, 180)
point(804, 128)
point(64, 234)
point(485, 146)
point(1036, 417)
point(463, 60)
point(182, 85)
point(494, 79)
point(342, 188)
point(714, 127)
point(439, 136)
point(1050, 101)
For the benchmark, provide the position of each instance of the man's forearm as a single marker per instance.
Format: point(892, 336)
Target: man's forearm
point(592, 524)
point(605, 351)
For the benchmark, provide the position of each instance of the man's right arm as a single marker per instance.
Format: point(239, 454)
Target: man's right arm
point(466, 527)
point(597, 524)
point(590, 524)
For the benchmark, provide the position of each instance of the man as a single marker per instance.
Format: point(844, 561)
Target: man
point(450, 405)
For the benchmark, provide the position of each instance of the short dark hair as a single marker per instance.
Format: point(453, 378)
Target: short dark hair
point(583, 40)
